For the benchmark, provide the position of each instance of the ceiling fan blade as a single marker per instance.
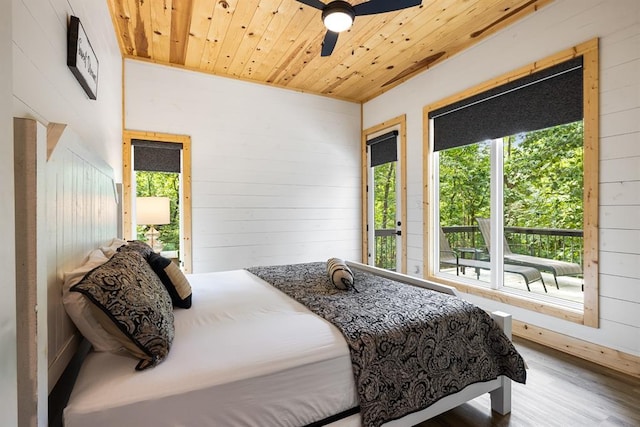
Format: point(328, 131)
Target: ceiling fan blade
point(314, 3)
point(329, 43)
point(381, 6)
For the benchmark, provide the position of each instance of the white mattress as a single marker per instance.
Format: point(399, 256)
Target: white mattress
point(245, 354)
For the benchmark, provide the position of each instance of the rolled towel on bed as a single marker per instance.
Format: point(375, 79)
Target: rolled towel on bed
point(339, 274)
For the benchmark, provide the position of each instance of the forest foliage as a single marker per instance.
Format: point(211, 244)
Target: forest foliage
point(543, 180)
point(385, 196)
point(543, 185)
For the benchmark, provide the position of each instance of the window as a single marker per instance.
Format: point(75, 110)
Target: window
point(513, 169)
point(159, 165)
point(157, 168)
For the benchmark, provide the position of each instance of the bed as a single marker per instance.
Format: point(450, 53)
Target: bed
point(253, 350)
point(298, 373)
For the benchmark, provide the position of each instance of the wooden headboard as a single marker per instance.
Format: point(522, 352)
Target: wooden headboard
point(66, 206)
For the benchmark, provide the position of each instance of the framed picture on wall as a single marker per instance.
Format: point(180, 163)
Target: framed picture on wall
point(81, 58)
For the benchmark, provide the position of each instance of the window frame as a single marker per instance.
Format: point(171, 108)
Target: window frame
point(399, 123)
point(589, 314)
point(127, 170)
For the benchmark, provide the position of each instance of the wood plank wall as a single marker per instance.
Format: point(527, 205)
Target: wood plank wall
point(566, 23)
point(81, 215)
point(275, 173)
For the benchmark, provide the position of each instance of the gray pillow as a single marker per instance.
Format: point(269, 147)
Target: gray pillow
point(339, 274)
point(131, 303)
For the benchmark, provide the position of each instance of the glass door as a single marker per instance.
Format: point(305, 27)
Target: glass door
point(383, 201)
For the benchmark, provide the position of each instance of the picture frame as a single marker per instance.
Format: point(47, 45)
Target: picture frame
point(81, 58)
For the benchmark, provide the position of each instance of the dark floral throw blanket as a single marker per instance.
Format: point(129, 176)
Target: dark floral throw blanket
point(409, 346)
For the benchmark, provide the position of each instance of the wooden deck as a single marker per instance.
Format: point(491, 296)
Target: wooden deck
point(570, 287)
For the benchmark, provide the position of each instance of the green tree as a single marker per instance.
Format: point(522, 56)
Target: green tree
point(543, 178)
point(385, 195)
point(464, 184)
point(543, 183)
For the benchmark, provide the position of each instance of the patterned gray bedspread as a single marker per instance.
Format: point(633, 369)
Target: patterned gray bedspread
point(409, 346)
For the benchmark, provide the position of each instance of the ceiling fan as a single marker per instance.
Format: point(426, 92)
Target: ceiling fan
point(338, 15)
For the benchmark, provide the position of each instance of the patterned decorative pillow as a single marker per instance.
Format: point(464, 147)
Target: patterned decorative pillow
point(339, 274)
point(130, 302)
point(173, 279)
point(137, 246)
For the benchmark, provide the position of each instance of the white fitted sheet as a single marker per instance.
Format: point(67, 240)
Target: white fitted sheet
point(245, 354)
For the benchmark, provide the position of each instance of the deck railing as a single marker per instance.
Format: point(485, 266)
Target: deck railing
point(385, 248)
point(554, 243)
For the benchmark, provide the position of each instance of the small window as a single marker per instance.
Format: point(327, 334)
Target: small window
point(158, 166)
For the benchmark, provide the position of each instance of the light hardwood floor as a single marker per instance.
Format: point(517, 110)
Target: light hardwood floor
point(561, 391)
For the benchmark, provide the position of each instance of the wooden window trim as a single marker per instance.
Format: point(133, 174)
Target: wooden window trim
point(589, 316)
point(128, 135)
point(401, 123)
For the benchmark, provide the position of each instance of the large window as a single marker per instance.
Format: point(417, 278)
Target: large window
point(513, 187)
point(542, 210)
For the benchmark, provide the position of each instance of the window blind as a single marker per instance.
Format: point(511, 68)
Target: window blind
point(383, 148)
point(153, 156)
point(549, 97)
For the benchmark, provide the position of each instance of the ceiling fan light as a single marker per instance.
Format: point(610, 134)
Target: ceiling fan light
point(338, 21)
point(338, 16)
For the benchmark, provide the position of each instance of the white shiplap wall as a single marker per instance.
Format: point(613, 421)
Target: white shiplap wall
point(81, 212)
point(44, 88)
point(562, 24)
point(8, 384)
point(275, 173)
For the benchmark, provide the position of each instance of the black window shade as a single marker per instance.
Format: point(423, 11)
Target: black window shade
point(155, 156)
point(384, 148)
point(549, 97)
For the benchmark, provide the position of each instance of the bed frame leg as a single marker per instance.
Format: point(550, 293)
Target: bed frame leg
point(501, 397)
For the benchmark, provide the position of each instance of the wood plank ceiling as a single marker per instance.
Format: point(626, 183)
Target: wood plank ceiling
point(278, 42)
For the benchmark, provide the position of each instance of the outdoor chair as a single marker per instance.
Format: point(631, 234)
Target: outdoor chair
point(556, 267)
point(450, 257)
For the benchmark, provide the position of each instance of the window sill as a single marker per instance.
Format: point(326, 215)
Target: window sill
point(566, 310)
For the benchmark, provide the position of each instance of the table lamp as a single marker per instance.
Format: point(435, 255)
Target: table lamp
point(152, 211)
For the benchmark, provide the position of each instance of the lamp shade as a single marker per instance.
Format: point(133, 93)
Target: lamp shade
point(152, 210)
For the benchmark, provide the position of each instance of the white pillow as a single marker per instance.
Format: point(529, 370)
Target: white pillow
point(339, 274)
point(78, 307)
point(112, 247)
